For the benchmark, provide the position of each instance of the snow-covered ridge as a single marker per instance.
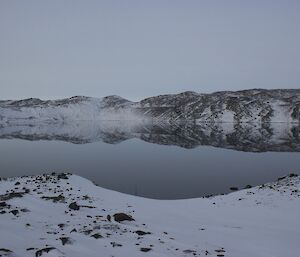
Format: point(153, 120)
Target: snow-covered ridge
point(66, 215)
point(70, 109)
point(254, 106)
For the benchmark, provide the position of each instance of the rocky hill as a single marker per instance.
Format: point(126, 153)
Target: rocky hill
point(255, 106)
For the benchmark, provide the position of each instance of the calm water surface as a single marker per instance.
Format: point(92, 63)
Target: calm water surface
point(155, 162)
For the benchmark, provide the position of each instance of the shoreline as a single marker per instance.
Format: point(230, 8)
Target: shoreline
point(68, 215)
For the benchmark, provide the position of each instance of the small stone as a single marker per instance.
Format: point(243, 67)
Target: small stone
point(96, 236)
point(122, 217)
point(3, 204)
point(108, 218)
point(142, 233)
point(62, 176)
point(14, 212)
point(74, 206)
point(114, 244)
point(145, 249)
point(65, 240)
point(44, 250)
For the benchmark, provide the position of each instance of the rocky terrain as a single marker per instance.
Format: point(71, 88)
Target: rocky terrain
point(248, 137)
point(65, 215)
point(254, 106)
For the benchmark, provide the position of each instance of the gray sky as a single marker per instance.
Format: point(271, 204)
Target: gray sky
point(54, 49)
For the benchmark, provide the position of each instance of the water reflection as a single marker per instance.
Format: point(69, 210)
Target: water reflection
point(155, 160)
point(275, 137)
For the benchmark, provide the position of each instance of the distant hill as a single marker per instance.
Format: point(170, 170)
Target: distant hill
point(254, 106)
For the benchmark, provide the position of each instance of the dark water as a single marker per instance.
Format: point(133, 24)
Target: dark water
point(155, 161)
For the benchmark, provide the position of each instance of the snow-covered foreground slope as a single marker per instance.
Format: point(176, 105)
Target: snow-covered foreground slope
point(66, 215)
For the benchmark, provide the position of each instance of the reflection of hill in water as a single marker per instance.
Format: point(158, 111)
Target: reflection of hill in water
point(278, 137)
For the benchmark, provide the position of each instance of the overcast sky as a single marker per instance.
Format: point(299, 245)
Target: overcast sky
point(55, 49)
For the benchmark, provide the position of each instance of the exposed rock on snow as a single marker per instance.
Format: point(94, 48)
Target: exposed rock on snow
point(122, 217)
point(255, 222)
point(255, 105)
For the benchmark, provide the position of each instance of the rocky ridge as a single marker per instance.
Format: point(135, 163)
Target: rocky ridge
point(251, 106)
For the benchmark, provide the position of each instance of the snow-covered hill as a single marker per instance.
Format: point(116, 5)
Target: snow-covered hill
point(66, 215)
point(71, 109)
point(255, 105)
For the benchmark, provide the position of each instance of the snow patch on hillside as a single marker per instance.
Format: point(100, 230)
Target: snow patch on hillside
point(281, 112)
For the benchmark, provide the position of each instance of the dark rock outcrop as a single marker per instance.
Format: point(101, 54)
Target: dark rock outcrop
point(119, 217)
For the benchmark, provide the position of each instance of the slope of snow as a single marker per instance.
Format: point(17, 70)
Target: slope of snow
point(66, 215)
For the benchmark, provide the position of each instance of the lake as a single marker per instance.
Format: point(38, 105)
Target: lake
point(154, 160)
